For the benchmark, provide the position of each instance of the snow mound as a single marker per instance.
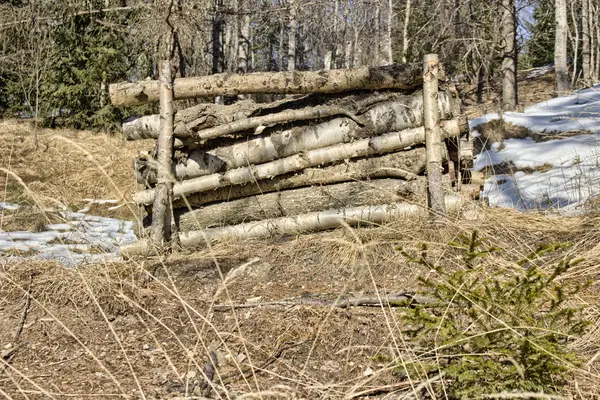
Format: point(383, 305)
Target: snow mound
point(571, 165)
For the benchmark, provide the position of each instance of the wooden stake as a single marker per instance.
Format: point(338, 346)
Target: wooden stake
point(433, 138)
point(160, 233)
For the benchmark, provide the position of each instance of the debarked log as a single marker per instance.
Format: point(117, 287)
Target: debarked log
point(396, 76)
point(300, 201)
point(312, 222)
point(387, 117)
point(406, 164)
point(387, 143)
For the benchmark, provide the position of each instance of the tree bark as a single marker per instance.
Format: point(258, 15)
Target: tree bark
point(509, 58)
point(291, 59)
point(560, 49)
point(161, 211)
point(202, 116)
point(585, 24)
point(405, 165)
point(405, 31)
point(433, 137)
point(298, 201)
point(243, 38)
point(395, 76)
point(311, 222)
point(218, 60)
point(401, 114)
point(361, 148)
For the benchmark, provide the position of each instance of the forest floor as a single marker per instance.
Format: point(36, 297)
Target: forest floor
point(148, 328)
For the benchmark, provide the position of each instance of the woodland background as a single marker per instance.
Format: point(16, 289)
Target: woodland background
point(58, 57)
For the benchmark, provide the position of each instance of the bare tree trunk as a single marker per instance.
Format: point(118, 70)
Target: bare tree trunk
point(217, 39)
point(291, 60)
point(161, 209)
point(405, 31)
point(560, 48)
point(376, 58)
point(509, 58)
point(575, 44)
point(433, 137)
point(585, 23)
point(388, 53)
point(243, 40)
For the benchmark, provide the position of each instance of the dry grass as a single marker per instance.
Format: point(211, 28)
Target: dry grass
point(118, 327)
point(68, 167)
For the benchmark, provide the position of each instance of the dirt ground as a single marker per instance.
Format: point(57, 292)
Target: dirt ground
point(148, 328)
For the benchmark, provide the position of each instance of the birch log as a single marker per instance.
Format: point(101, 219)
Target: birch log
point(387, 143)
point(387, 117)
point(396, 76)
point(312, 222)
point(198, 117)
point(401, 165)
point(433, 137)
point(298, 201)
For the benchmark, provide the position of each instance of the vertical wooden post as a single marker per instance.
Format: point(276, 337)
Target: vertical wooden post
point(161, 209)
point(433, 137)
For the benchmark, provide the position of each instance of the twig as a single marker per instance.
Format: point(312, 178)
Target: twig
point(24, 313)
point(378, 390)
point(272, 358)
point(273, 119)
point(414, 393)
point(399, 300)
point(209, 370)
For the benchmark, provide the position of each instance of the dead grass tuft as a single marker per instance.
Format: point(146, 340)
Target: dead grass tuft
point(60, 174)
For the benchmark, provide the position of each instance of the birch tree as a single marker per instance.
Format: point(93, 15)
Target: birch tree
point(509, 56)
point(563, 84)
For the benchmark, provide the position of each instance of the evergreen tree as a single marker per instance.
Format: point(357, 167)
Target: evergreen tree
point(540, 48)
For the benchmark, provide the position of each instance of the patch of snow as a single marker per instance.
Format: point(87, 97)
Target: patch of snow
point(80, 239)
point(574, 175)
point(540, 71)
point(579, 111)
point(9, 206)
point(97, 201)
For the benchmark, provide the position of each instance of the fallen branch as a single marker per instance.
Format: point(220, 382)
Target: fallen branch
point(24, 313)
point(274, 356)
point(397, 300)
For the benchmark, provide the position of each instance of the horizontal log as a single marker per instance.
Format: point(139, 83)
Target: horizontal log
point(401, 165)
point(387, 143)
point(201, 116)
point(299, 201)
point(312, 222)
point(396, 76)
point(403, 113)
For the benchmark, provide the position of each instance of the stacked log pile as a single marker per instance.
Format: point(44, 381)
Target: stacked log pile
point(299, 164)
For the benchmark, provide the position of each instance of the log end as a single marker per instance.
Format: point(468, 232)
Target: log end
point(141, 248)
